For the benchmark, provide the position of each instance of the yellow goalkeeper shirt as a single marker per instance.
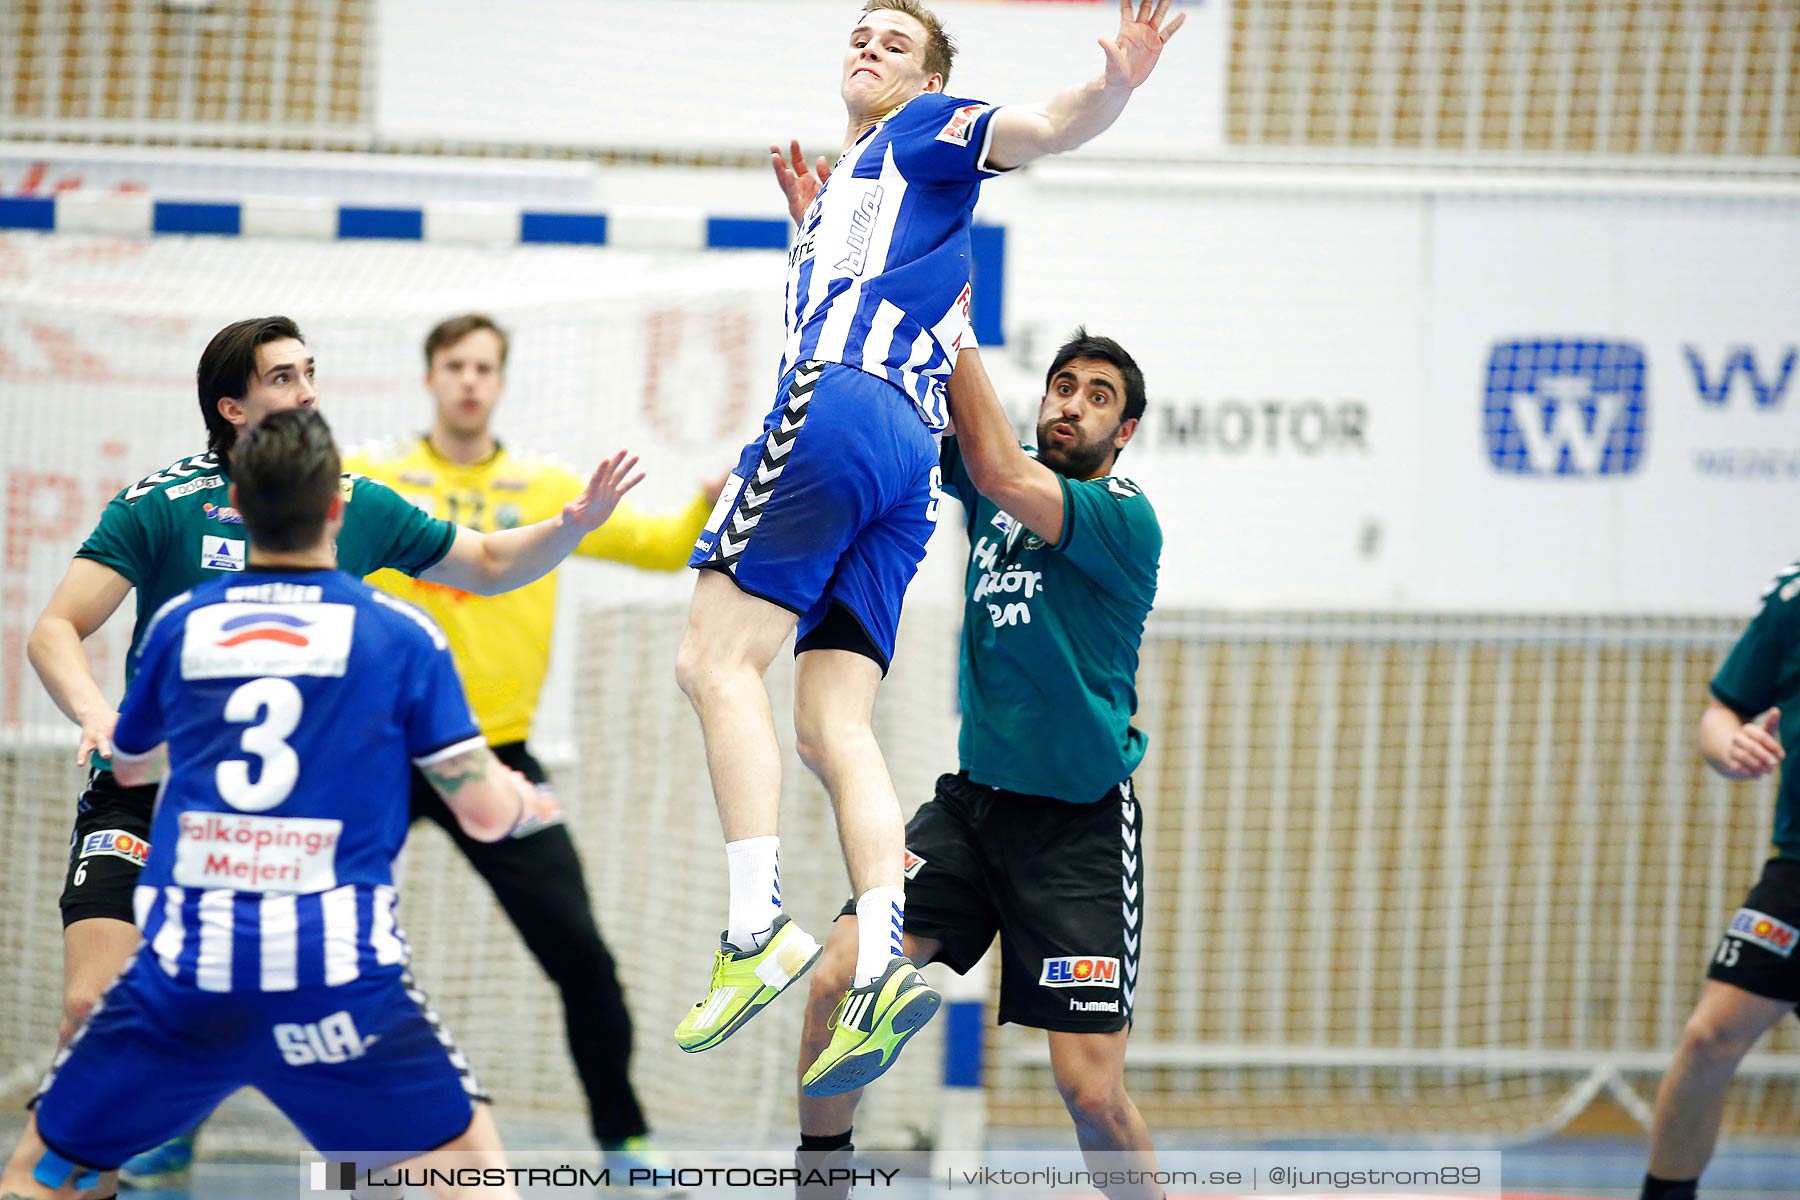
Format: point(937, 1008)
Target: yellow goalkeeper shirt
point(502, 643)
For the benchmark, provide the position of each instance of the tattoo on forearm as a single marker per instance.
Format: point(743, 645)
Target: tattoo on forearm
point(449, 777)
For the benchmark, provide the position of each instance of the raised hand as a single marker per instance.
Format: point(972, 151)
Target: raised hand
point(609, 483)
point(1132, 54)
point(799, 183)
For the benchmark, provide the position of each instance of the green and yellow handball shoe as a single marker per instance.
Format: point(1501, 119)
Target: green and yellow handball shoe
point(743, 982)
point(868, 1029)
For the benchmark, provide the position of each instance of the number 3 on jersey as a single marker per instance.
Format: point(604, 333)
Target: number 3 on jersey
point(271, 707)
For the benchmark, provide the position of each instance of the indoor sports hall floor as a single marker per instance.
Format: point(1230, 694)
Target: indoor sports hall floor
point(1570, 1168)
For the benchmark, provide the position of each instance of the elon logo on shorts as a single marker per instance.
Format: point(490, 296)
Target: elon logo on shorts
point(1777, 937)
point(116, 843)
point(1080, 970)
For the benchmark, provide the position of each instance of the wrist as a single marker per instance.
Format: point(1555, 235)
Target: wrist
point(92, 711)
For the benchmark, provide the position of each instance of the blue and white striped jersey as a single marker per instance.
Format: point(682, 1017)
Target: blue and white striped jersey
point(878, 277)
point(292, 703)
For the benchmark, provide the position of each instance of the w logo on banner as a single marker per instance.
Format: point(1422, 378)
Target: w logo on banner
point(1740, 363)
point(1566, 407)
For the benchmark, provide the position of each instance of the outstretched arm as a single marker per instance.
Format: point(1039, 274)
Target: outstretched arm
point(1021, 133)
point(999, 468)
point(490, 563)
point(653, 541)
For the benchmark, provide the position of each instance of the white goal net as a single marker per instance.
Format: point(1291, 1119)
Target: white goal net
point(1407, 874)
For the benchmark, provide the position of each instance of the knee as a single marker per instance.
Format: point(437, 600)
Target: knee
point(820, 738)
point(691, 663)
point(1097, 1103)
point(811, 743)
point(1713, 1040)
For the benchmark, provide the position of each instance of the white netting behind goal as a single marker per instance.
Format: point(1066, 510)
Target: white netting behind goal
point(1407, 874)
point(672, 356)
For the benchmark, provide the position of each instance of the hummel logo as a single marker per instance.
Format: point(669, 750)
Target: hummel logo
point(169, 474)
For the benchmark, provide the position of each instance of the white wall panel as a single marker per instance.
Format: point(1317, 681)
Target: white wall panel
point(1675, 531)
point(728, 76)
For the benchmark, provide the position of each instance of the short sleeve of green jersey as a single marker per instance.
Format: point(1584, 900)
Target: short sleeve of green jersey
point(956, 475)
point(1750, 679)
point(124, 537)
point(1110, 532)
point(409, 540)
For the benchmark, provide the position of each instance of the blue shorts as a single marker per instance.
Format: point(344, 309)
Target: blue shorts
point(359, 1068)
point(833, 503)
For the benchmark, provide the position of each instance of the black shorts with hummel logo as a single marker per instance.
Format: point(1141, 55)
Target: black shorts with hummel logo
point(1061, 883)
point(1760, 951)
point(107, 849)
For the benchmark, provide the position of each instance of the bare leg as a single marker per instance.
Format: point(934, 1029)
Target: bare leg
point(1690, 1103)
point(479, 1147)
point(17, 1179)
point(834, 709)
point(1090, 1074)
point(828, 1115)
point(731, 638)
point(94, 952)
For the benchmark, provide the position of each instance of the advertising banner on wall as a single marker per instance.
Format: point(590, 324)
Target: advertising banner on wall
point(1280, 341)
point(1613, 405)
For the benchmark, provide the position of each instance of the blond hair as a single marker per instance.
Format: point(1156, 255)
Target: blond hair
point(940, 51)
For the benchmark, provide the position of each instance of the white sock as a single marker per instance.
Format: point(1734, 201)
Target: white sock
point(755, 890)
point(880, 919)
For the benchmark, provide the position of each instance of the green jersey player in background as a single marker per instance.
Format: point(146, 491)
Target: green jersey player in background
point(1746, 732)
point(1039, 836)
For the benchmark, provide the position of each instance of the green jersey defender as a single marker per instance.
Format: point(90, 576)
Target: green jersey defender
point(1048, 670)
point(174, 529)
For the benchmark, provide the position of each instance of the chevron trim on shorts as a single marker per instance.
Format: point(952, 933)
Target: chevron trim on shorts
point(1131, 856)
point(761, 484)
point(470, 1083)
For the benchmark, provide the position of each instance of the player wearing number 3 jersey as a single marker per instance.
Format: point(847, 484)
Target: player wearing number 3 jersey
point(293, 701)
point(177, 528)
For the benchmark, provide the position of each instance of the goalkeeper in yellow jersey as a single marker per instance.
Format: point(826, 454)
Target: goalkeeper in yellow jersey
point(502, 649)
